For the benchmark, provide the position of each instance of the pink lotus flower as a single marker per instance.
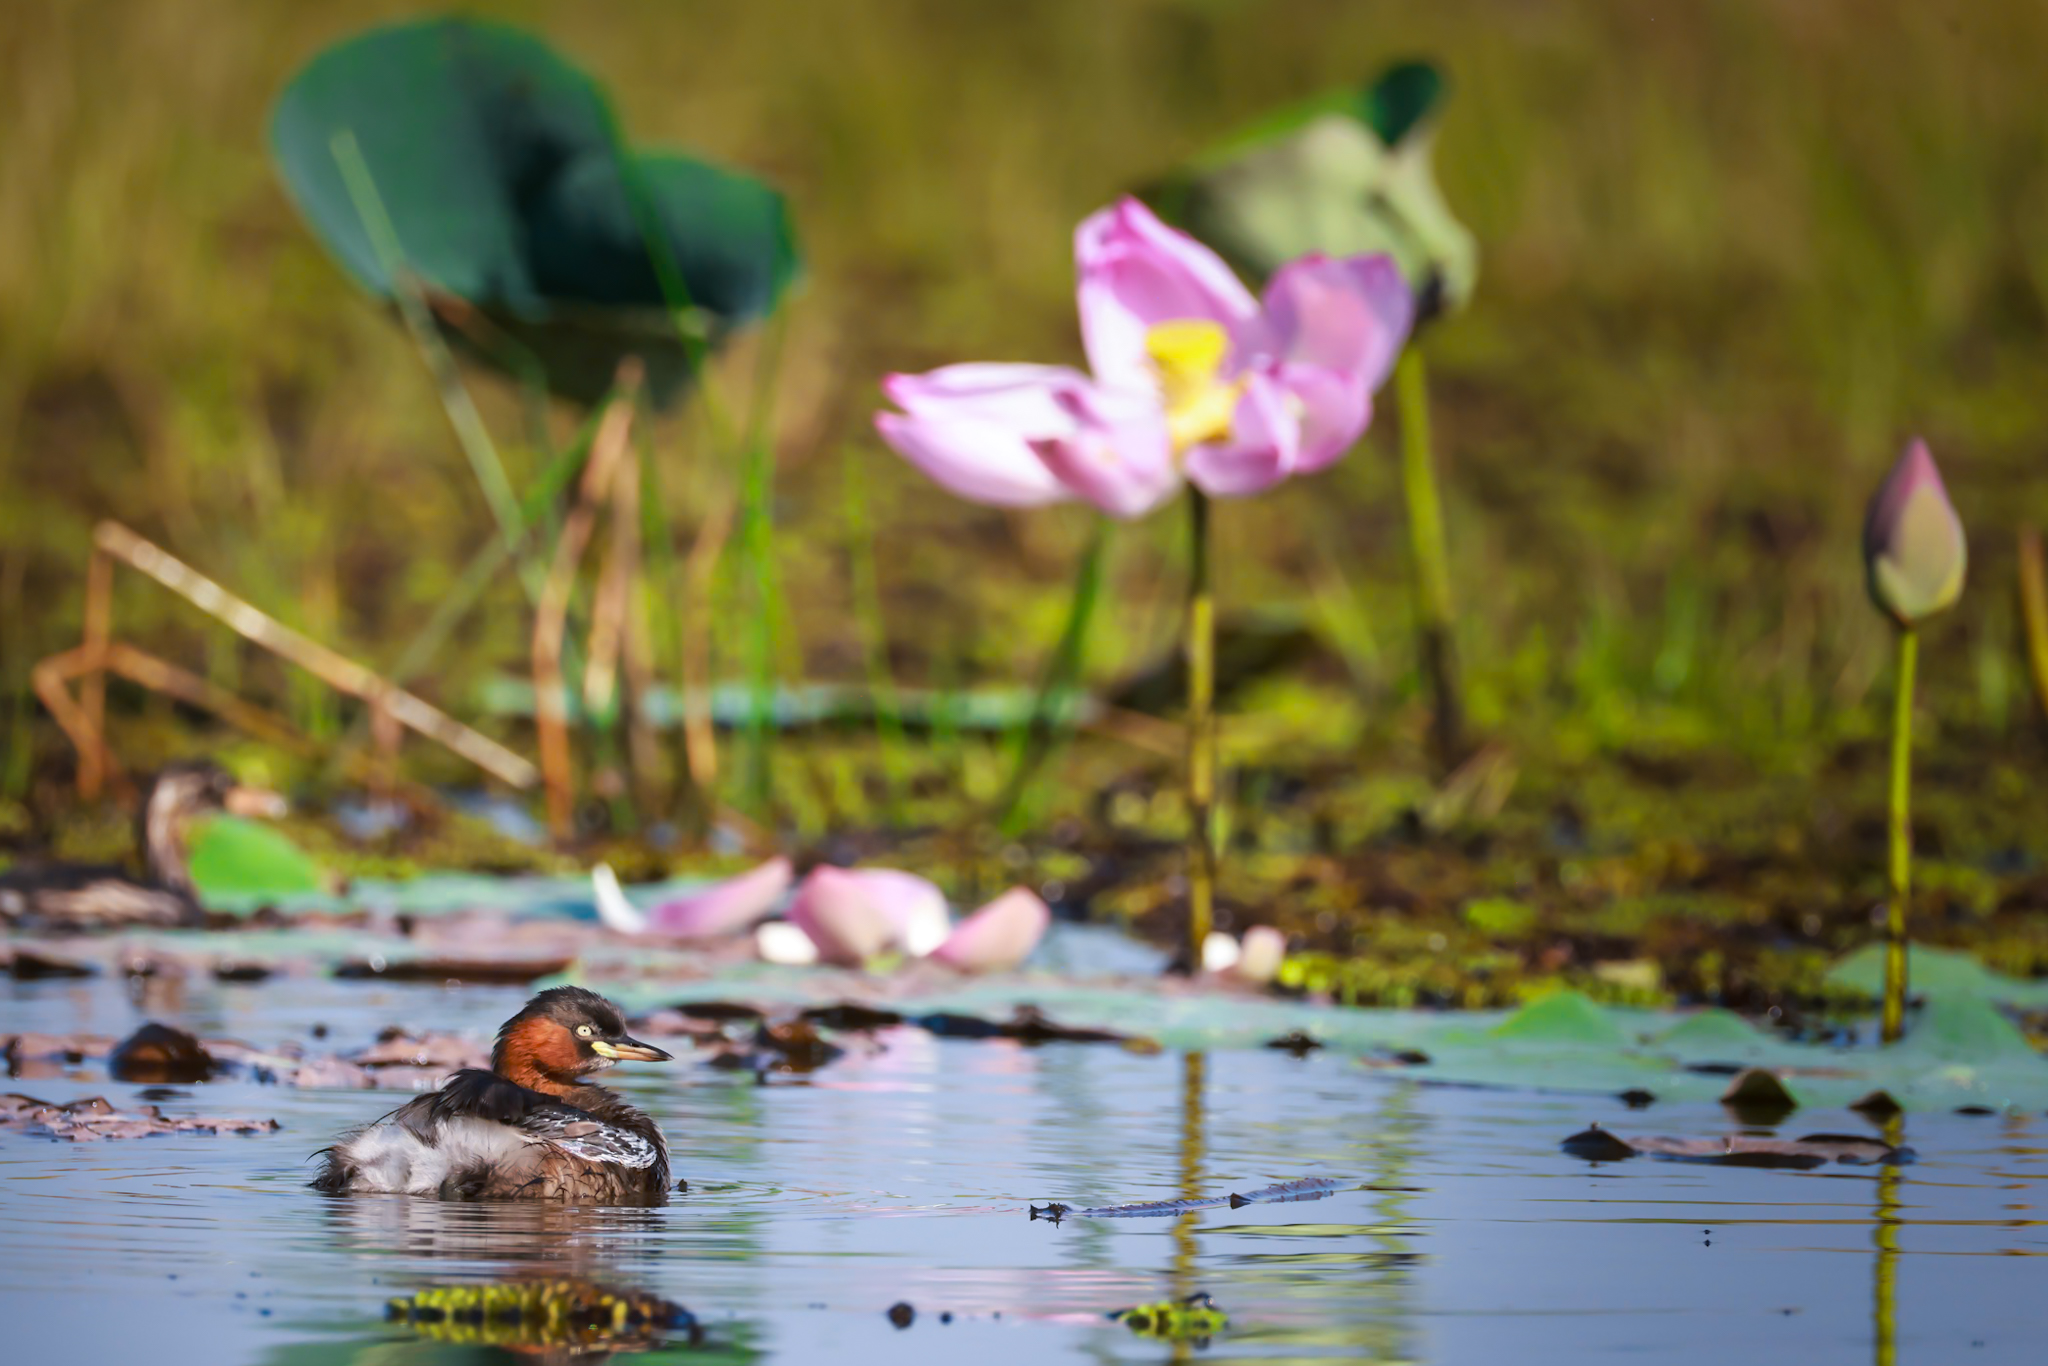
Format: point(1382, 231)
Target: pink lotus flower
point(999, 936)
point(724, 907)
point(1192, 378)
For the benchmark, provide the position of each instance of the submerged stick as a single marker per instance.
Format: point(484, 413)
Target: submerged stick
point(1201, 759)
point(1901, 831)
point(1430, 566)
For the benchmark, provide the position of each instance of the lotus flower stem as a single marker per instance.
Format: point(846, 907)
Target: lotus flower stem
point(757, 543)
point(874, 632)
point(1201, 652)
point(470, 431)
point(1901, 826)
point(1430, 566)
point(1041, 732)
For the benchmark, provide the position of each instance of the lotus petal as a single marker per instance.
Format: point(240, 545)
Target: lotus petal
point(778, 941)
point(613, 910)
point(999, 936)
point(841, 911)
point(1219, 952)
point(915, 908)
point(1260, 954)
point(726, 907)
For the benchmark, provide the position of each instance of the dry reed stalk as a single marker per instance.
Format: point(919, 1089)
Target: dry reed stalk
point(700, 736)
point(99, 611)
point(608, 450)
point(344, 675)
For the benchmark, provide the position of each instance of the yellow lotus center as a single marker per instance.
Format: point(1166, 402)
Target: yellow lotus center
point(1187, 355)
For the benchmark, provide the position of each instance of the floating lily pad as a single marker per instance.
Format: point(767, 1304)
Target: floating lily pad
point(1932, 972)
point(1565, 1017)
point(237, 862)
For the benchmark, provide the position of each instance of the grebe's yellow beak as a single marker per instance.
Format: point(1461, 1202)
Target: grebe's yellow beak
point(629, 1050)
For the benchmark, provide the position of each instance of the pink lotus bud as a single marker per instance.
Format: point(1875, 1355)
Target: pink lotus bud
point(1913, 547)
point(724, 907)
point(855, 914)
point(998, 936)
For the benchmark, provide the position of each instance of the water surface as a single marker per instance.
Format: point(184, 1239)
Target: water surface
point(903, 1173)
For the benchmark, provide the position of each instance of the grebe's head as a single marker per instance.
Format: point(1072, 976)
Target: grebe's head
point(563, 1035)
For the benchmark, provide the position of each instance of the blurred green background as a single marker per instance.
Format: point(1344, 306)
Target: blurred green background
point(1733, 255)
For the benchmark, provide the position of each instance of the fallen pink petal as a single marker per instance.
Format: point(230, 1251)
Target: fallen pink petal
point(999, 936)
point(724, 908)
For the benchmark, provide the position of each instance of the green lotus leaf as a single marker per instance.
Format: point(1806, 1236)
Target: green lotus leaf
point(533, 230)
point(1347, 173)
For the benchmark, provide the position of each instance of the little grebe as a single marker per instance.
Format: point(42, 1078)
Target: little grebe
point(531, 1128)
point(77, 895)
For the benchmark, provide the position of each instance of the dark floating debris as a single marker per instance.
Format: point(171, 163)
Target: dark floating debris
point(1028, 1025)
point(1758, 1097)
point(1975, 1110)
point(901, 1314)
point(508, 972)
point(1636, 1098)
point(235, 970)
point(26, 965)
point(533, 1316)
point(92, 1119)
point(1595, 1144)
point(158, 1053)
point(851, 1017)
point(718, 1012)
point(1298, 1042)
point(1878, 1105)
point(1193, 1319)
point(1307, 1188)
point(792, 1046)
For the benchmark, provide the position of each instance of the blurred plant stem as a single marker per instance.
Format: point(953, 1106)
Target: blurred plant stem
point(1050, 721)
point(1436, 637)
point(470, 431)
point(1901, 839)
point(1885, 1292)
point(2033, 577)
point(1201, 762)
point(762, 601)
point(1194, 1072)
point(874, 632)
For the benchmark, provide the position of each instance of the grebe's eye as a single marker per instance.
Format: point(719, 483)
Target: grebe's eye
point(584, 1030)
